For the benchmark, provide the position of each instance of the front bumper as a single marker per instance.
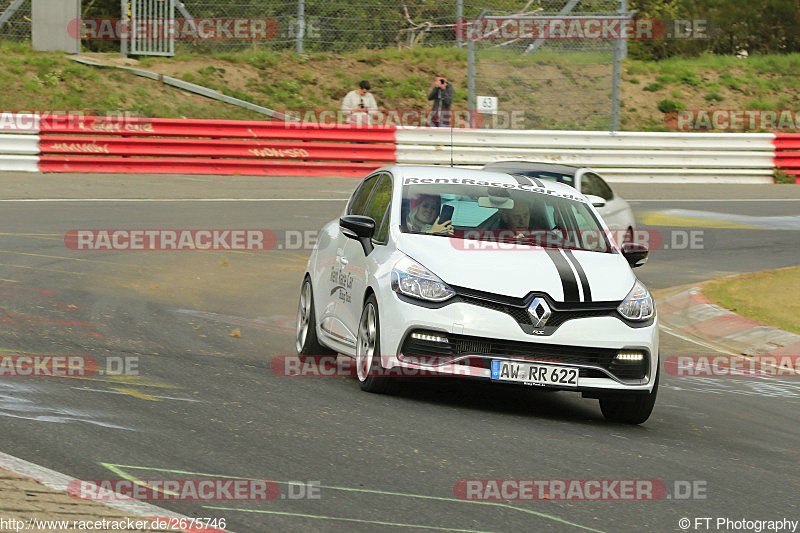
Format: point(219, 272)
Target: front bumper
point(478, 335)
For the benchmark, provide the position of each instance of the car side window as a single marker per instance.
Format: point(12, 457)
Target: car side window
point(594, 184)
point(378, 208)
point(358, 202)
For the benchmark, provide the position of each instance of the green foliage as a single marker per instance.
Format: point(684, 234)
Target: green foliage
point(653, 87)
point(714, 97)
point(762, 104)
point(765, 26)
point(667, 106)
point(782, 177)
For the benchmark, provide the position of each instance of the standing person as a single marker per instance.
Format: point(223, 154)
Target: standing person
point(442, 94)
point(358, 106)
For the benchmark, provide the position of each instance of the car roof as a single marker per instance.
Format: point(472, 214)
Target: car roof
point(413, 171)
point(567, 170)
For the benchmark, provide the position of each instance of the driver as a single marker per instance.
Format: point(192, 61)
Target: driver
point(517, 219)
point(423, 216)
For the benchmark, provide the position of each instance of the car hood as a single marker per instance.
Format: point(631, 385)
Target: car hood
point(522, 270)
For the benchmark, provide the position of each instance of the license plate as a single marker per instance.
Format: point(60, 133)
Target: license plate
point(534, 373)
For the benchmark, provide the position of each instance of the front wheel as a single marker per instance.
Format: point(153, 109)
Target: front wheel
point(368, 351)
point(630, 412)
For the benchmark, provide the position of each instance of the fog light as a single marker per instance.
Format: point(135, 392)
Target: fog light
point(629, 357)
point(429, 338)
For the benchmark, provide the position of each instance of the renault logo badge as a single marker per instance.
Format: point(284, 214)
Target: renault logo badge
point(539, 312)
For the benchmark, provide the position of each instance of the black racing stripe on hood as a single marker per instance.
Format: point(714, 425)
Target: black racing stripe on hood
point(587, 292)
point(568, 281)
point(536, 181)
point(521, 180)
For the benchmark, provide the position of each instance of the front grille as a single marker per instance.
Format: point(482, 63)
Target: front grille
point(517, 308)
point(460, 345)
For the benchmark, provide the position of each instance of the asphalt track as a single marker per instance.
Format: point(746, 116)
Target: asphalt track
point(207, 403)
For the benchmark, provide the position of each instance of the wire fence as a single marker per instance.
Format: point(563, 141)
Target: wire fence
point(15, 26)
point(339, 25)
point(540, 83)
point(551, 83)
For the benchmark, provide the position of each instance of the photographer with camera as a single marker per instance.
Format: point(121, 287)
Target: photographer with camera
point(442, 94)
point(359, 106)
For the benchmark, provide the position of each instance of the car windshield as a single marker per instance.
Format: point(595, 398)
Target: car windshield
point(500, 212)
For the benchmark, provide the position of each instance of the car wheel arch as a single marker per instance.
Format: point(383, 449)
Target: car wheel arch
point(367, 293)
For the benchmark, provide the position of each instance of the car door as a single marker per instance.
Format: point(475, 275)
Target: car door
point(358, 265)
point(336, 280)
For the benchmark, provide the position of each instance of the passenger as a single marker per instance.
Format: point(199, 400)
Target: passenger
point(423, 216)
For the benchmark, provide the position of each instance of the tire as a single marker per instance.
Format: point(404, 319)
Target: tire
point(631, 412)
point(368, 353)
point(305, 341)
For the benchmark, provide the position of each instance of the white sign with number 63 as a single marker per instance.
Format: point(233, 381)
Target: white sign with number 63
point(487, 105)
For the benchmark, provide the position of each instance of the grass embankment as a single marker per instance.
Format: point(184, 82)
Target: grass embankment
point(771, 296)
point(555, 90)
point(651, 88)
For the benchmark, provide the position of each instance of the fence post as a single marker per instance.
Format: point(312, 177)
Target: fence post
point(623, 7)
point(126, 28)
point(459, 17)
point(471, 81)
point(616, 75)
point(301, 25)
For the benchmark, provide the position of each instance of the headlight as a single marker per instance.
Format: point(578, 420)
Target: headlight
point(638, 304)
point(412, 279)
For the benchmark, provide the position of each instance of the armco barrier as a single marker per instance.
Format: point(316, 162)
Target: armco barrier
point(172, 146)
point(19, 144)
point(620, 156)
point(787, 154)
point(180, 146)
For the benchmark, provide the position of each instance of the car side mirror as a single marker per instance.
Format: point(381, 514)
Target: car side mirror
point(636, 254)
point(359, 228)
point(596, 200)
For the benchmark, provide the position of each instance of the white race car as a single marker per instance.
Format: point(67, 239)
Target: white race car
point(472, 273)
point(616, 212)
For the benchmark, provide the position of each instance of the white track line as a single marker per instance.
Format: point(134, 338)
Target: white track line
point(342, 199)
point(711, 200)
point(670, 331)
point(60, 482)
point(178, 200)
